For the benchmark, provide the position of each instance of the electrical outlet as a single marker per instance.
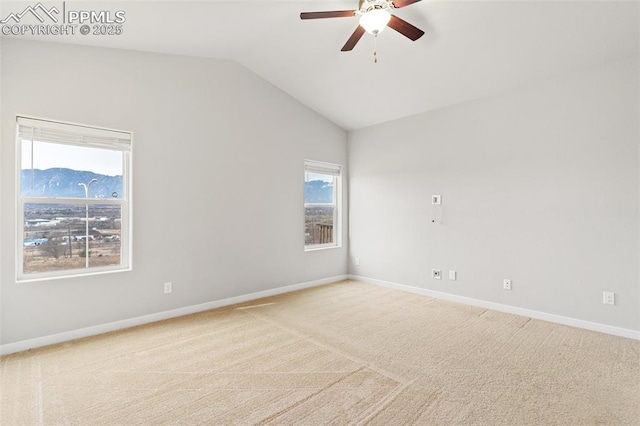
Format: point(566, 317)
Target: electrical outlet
point(436, 199)
point(436, 274)
point(357, 261)
point(506, 284)
point(608, 298)
point(168, 287)
point(452, 275)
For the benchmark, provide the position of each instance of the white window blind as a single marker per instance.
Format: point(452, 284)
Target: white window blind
point(48, 131)
point(321, 168)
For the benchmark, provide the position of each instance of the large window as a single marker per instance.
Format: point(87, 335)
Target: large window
point(73, 199)
point(321, 205)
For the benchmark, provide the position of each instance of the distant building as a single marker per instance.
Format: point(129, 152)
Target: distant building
point(39, 222)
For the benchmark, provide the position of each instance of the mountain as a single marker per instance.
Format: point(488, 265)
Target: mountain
point(318, 191)
point(60, 182)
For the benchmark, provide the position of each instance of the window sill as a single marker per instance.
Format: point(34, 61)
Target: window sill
point(317, 248)
point(45, 277)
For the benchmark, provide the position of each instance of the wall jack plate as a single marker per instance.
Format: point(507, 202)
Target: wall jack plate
point(436, 199)
point(608, 298)
point(436, 274)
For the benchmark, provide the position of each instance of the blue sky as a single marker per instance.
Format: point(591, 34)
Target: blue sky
point(48, 155)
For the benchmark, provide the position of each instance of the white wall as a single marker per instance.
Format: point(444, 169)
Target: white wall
point(217, 190)
point(540, 185)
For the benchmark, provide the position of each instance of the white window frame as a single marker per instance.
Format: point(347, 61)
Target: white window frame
point(335, 170)
point(65, 133)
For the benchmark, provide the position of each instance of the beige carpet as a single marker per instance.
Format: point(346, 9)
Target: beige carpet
point(346, 353)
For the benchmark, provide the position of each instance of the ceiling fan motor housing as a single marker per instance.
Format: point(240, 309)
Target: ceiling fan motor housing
point(369, 5)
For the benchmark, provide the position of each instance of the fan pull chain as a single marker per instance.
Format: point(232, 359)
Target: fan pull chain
point(375, 48)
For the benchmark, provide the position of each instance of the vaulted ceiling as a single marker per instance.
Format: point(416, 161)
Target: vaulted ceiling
point(470, 48)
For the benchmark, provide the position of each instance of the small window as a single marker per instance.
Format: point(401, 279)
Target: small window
point(73, 199)
point(321, 205)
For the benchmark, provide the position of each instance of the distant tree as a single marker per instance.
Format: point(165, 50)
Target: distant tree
point(54, 248)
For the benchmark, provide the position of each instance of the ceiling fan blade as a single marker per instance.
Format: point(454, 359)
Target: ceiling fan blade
point(329, 14)
point(402, 3)
point(355, 37)
point(405, 28)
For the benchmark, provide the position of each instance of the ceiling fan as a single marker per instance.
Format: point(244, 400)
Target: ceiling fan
point(375, 15)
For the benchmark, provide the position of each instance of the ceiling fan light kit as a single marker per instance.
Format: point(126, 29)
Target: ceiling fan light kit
point(375, 16)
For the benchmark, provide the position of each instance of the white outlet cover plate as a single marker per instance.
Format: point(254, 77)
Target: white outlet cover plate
point(452, 275)
point(608, 298)
point(436, 274)
point(506, 284)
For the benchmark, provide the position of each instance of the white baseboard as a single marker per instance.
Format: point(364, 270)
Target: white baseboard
point(37, 342)
point(558, 319)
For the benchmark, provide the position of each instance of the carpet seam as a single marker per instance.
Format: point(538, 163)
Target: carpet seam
point(329, 348)
point(38, 393)
point(382, 404)
point(302, 401)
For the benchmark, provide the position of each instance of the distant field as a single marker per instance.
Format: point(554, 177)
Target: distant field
point(49, 227)
point(54, 256)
